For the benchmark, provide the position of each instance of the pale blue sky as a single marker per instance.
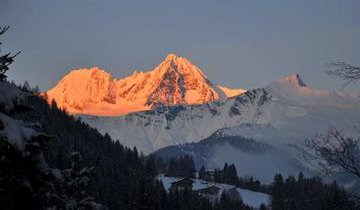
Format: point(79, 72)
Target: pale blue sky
point(235, 42)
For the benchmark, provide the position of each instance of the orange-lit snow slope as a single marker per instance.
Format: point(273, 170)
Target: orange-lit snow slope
point(175, 81)
point(231, 92)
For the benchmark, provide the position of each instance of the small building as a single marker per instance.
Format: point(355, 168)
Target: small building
point(211, 193)
point(206, 174)
point(209, 175)
point(183, 184)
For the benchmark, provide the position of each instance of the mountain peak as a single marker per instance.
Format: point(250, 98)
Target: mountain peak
point(294, 79)
point(179, 65)
point(177, 81)
point(171, 56)
point(173, 59)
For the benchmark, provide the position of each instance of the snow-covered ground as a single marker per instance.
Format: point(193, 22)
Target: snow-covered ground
point(251, 198)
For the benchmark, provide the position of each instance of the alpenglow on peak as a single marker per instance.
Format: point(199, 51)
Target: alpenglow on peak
point(294, 79)
point(174, 81)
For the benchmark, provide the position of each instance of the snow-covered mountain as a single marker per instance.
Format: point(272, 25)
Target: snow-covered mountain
point(292, 110)
point(176, 104)
point(174, 81)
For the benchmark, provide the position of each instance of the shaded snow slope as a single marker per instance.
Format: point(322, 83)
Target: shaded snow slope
point(251, 158)
point(151, 130)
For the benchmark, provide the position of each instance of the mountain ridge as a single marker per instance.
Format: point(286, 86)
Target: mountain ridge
point(174, 81)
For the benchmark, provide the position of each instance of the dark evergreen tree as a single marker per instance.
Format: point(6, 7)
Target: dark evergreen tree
point(277, 192)
point(72, 190)
point(231, 200)
point(217, 175)
point(22, 183)
point(26, 86)
point(227, 175)
point(202, 172)
point(6, 59)
point(263, 207)
point(181, 167)
point(232, 175)
point(186, 200)
point(308, 193)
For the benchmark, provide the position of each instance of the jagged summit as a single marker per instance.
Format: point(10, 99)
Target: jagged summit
point(179, 64)
point(174, 81)
point(290, 86)
point(171, 56)
point(294, 79)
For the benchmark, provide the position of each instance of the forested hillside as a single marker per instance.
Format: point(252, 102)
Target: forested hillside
point(120, 179)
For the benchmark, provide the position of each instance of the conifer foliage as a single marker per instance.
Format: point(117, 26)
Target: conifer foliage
point(227, 175)
point(181, 167)
point(308, 193)
point(22, 182)
point(72, 187)
point(6, 59)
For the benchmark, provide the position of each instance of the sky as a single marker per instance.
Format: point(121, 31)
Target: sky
point(237, 43)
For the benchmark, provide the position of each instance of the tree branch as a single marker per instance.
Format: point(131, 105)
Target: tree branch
point(341, 154)
point(348, 73)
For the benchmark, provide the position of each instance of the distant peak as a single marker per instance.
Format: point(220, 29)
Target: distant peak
point(294, 79)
